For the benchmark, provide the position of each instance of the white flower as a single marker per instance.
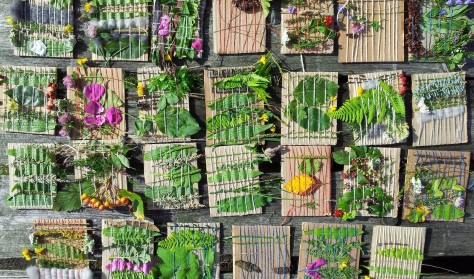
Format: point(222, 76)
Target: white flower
point(417, 185)
point(32, 239)
point(37, 47)
point(386, 136)
point(459, 202)
point(422, 106)
point(284, 37)
point(370, 84)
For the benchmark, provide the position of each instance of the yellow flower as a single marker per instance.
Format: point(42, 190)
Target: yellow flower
point(263, 60)
point(424, 210)
point(167, 57)
point(359, 91)
point(302, 184)
point(334, 98)
point(264, 117)
point(10, 20)
point(11, 105)
point(367, 277)
point(82, 61)
point(26, 254)
point(273, 129)
point(332, 109)
point(39, 250)
point(68, 28)
point(140, 89)
point(342, 265)
point(87, 7)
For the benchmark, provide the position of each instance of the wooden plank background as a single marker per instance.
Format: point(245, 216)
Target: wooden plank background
point(445, 239)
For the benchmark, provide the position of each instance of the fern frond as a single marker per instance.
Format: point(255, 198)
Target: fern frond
point(190, 239)
point(396, 100)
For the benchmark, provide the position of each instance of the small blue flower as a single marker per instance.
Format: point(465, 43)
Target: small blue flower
point(459, 2)
point(291, 9)
point(442, 12)
point(455, 38)
point(351, 17)
point(342, 9)
point(450, 2)
point(468, 2)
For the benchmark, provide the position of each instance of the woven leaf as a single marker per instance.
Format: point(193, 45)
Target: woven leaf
point(242, 203)
point(334, 232)
point(234, 175)
point(447, 212)
point(189, 239)
point(403, 253)
point(313, 91)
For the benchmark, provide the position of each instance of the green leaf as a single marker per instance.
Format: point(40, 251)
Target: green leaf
point(341, 157)
point(110, 99)
point(137, 209)
point(404, 253)
point(124, 160)
point(28, 96)
point(393, 270)
point(447, 212)
point(115, 161)
point(242, 203)
point(314, 120)
point(68, 199)
point(126, 48)
point(309, 166)
point(179, 263)
point(176, 122)
point(142, 127)
point(265, 7)
point(313, 91)
point(234, 175)
point(171, 98)
point(189, 239)
point(334, 232)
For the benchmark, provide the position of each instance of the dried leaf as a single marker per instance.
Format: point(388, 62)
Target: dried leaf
point(247, 266)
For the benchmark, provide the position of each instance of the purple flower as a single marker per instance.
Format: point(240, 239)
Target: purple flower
point(94, 91)
point(455, 38)
point(197, 44)
point(442, 12)
point(94, 120)
point(459, 2)
point(291, 9)
point(357, 27)
point(114, 115)
point(63, 132)
point(64, 118)
point(468, 2)
point(146, 267)
point(450, 2)
point(91, 30)
point(129, 266)
point(69, 82)
point(341, 9)
point(93, 108)
point(164, 27)
point(312, 268)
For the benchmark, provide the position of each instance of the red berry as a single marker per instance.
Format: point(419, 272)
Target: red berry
point(345, 175)
point(403, 90)
point(338, 213)
point(404, 79)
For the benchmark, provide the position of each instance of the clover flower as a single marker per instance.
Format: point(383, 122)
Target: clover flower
point(197, 44)
point(69, 82)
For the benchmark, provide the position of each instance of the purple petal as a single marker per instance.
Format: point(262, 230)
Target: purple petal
point(129, 265)
point(94, 91)
point(93, 108)
point(197, 44)
point(114, 115)
point(136, 268)
point(94, 120)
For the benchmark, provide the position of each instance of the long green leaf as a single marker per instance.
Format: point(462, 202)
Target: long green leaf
point(334, 232)
point(233, 175)
point(242, 203)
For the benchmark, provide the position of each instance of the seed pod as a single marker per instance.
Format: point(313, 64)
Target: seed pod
point(247, 266)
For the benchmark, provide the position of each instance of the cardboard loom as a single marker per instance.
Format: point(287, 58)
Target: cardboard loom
point(112, 79)
point(261, 252)
point(447, 125)
point(384, 45)
point(396, 252)
point(293, 133)
point(316, 203)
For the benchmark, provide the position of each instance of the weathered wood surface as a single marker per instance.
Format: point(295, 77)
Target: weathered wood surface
point(443, 238)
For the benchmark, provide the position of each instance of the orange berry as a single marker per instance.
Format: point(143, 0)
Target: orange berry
point(93, 200)
point(118, 202)
point(87, 200)
point(107, 204)
point(84, 196)
point(123, 199)
point(111, 207)
point(101, 207)
point(126, 202)
point(97, 204)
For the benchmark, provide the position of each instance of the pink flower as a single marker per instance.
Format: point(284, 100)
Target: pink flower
point(357, 27)
point(114, 115)
point(197, 44)
point(93, 108)
point(63, 132)
point(312, 268)
point(64, 118)
point(164, 27)
point(146, 267)
point(129, 266)
point(69, 82)
point(94, 120)
point(94, 91)
point(91, 29)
